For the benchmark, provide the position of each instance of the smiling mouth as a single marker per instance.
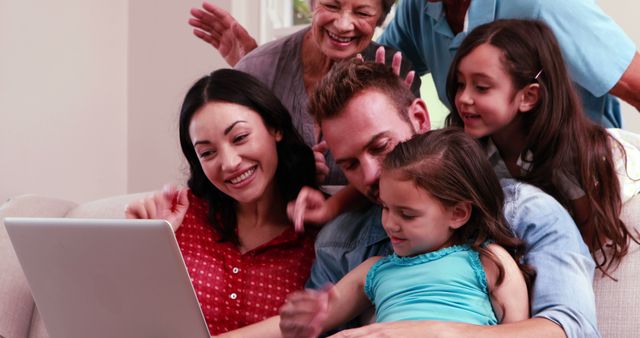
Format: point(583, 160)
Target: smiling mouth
point(340, 39)
point(396, 240)
point(470, 116)
point(242, 177)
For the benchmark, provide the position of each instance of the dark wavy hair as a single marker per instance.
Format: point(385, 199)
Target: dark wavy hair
point(451, 166)
point(561, 138)
point(296, 165)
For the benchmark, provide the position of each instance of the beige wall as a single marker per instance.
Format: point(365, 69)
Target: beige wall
point(165, 59)
point(90, 91)
point(63, 97)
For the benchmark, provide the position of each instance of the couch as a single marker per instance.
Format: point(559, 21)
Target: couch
point(618, 303)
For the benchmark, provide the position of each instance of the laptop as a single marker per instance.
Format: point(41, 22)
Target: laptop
point(107, 277)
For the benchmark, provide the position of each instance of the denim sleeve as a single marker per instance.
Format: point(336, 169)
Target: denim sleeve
point(344, 243)
point(563, 290)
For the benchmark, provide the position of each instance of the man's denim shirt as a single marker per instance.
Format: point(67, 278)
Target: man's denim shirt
point(562, 291)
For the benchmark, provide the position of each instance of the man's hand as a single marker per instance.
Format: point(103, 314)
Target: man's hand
point(170, 204)
point(322, 170)
point(218, 28)
point(304, 312)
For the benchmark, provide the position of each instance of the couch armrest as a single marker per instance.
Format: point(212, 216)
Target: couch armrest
point(16, 303)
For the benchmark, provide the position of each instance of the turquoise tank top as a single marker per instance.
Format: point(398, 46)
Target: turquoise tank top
point(447, 285)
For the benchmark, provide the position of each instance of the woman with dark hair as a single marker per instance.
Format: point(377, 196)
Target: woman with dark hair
point(246, 161)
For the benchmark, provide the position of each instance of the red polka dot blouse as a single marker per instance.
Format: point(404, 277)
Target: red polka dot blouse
point(234, 289)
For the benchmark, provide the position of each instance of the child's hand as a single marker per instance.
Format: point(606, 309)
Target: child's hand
point(170, 204)
point(304, 313)
point(309, 207)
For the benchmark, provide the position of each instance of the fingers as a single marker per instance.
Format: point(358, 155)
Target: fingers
point(135, 210)
point(320, 147)
point(322, 170)
point(396, 62)
point(303, 314)
point(219, 14)
point(299, 209)
point(150, 206)
point(359, 57)
point(380, 55)
point(408, 81)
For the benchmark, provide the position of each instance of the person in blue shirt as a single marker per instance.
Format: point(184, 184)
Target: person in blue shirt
point(603, 61)
point(455, 257)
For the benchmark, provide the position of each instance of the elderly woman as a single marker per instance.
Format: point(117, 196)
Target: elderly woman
point(246, 161)
point(292, 65)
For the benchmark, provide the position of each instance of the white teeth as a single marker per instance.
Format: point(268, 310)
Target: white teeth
point(340, 39)
point(242, 177)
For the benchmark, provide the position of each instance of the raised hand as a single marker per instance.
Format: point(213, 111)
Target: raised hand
point(396, 62)
point(304, 313)
point(309, 207)
point(170, 204)
point(218, 28)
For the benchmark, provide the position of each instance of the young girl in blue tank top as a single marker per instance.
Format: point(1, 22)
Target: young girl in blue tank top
point(455, 258)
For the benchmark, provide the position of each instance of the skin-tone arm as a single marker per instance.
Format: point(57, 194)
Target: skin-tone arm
point(218, 28)
point(510, 299)
point(267, 328)
point(628, 87)
point(530, 328)
point(170, 204)
point(311, 206)
point(309, 313)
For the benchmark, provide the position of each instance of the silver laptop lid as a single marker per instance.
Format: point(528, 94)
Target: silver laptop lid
point(107, 278)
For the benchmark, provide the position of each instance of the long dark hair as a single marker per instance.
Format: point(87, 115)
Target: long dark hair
point(451, 166)
point(563, 141)
point(296, 165)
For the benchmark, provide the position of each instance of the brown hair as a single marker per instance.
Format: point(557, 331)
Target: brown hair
point(351, 77)
point(451, 166)
point(557, 131)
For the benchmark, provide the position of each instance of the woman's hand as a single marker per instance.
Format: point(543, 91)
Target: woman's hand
point(304, 313)
point(170, 204)
point(309, 207)
point(396, 62)
point(218, 28)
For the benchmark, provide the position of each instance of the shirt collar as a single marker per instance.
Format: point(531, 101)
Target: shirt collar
point(498, 163)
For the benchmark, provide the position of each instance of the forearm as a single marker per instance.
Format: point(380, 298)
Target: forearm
point(628, 87)
point(268, 328)
point(535, 327)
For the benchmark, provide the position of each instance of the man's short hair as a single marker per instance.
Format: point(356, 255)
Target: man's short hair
point(349, 78)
